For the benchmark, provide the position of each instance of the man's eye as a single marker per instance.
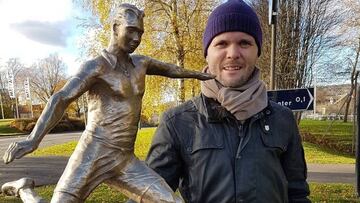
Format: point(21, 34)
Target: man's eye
point(245, 43)
point(220, 44)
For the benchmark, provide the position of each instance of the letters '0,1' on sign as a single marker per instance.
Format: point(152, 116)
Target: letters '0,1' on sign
point(295, 99)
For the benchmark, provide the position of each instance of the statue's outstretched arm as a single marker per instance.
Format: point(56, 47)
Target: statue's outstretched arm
point(52, 113)
point(155, 67)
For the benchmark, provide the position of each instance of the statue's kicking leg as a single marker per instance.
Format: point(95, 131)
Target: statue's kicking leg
point(23, 188)
point(143, 185)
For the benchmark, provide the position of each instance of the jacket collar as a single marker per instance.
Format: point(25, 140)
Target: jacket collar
point(110, 58)
point(212, 109)
point(214, 112)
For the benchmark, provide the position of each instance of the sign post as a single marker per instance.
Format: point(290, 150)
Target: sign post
point(295, 99)
point(357, 152)
point(273, 13)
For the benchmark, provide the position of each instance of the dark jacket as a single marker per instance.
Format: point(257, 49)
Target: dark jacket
point(201, 148)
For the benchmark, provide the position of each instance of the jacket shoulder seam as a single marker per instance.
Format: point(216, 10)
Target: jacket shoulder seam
point(186, 107)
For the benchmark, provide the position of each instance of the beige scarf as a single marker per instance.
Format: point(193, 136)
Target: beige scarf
point(243, 102)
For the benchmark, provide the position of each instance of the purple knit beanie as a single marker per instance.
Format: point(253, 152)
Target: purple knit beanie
point(234, 15)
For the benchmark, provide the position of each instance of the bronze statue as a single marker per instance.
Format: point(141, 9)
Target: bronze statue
point(105, 152)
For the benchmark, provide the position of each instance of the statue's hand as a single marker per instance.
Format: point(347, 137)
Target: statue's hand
point(206, 76)
point(17, 150)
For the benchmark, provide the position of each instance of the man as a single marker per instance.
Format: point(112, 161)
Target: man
point(116, 84)
point(231, 144)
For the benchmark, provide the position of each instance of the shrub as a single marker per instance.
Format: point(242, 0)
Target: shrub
point(21, 124)
point(62, 127)
point(30, 127)
point(343, 146)
point(78, 124)
point(66, 124)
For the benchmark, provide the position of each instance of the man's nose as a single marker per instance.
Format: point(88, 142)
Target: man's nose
point(233, 52)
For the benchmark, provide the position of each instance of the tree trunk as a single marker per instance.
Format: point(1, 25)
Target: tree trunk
point(353, 78)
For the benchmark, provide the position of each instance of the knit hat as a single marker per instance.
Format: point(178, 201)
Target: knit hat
point(234, 15)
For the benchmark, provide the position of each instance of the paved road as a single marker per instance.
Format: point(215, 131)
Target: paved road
point(47, 170)
point(44, 170)
point(50, 139)
point(331, 173)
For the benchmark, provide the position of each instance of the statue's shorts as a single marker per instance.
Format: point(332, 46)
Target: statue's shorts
point(94, 162)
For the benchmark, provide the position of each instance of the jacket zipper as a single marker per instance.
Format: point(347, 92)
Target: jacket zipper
point(241, 135)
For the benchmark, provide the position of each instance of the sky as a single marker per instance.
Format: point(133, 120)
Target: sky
point(34, 29)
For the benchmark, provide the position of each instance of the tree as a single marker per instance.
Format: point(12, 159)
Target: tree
point(304, 36)
point(354, 75)
point(173, 33)
point(78, 107)
point(351, 39)
point(5, 99)
point(47, 77)
point(97, 26)
point(14, 66)
point(180, 24)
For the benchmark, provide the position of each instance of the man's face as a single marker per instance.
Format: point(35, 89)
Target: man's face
point(128, 34)
point(232, 56)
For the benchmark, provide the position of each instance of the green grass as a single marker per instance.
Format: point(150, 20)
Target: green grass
point(320, 155)
point(329, 128)
point(335, 135)
point(320, 192)
point(313, 153)
point(5, 128)
point(336, 130)
point(143, 141)
point(142, 145)
point(102, 194)
point(65, 149)
point(332, 192)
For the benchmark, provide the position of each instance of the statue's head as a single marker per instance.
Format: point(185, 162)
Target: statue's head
point(127, 27)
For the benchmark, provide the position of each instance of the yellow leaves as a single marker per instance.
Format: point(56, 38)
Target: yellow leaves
point(60, 85)
point(159, 92)
point(103, 10)
point(173, 33)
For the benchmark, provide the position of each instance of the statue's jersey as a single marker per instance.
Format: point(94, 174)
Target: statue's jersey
point(115, 102)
